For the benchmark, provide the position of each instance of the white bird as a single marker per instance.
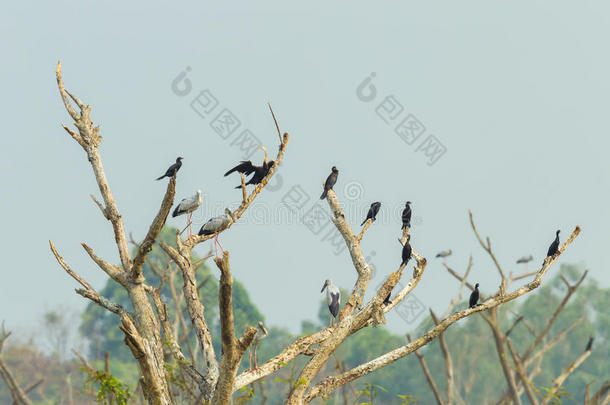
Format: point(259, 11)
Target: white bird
point(187, 206)
point(333, 298)
point(444, 253)
point(261, 333)
point(216, 225)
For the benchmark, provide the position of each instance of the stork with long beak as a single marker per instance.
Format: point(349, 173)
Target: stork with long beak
point(333, 299)
point(246, 167)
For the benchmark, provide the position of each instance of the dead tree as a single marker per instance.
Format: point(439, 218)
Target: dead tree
point(19, 395)
point(148, 328)
point(524, 366)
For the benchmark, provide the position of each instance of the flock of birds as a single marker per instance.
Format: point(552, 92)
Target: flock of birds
point(216, 224)
point(333, 295)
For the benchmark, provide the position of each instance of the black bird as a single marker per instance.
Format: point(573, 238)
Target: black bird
point(173, 169)
point(554, 248)
point(589, 344)
point(246, 167)
point(406, 216)
point(330, 182)
point(474, 297)
point(372, 214)
point(387, 300)
point(406, 251)
point(525, 259)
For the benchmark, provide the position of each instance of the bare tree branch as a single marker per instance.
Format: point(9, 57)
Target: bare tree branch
point(233, 349)
point(429, 378)
point(329, 384)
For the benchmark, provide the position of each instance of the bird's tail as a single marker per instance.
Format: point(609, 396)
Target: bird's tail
point(159, 178)
point(364, 222)
point(323, 196)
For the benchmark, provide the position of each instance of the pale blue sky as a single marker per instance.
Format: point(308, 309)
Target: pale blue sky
point(516, 93)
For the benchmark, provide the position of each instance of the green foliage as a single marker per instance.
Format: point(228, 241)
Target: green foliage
point(110, 390)
point(245, 395)
point(370, 392)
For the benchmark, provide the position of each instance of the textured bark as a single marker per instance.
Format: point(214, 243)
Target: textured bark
point(233, 349)
point(558, 381)
point(329, 384)
point(19, 396)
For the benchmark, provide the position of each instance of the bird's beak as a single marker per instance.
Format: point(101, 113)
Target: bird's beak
point(323, 287)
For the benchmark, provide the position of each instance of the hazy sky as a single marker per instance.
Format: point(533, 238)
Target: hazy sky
point(516, 93)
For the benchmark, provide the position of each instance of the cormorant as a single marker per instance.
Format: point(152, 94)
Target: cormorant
point(387, 300)
point(333, 298)
point(406, 251)
point(246, 167)
point(215, 225)
point(554, 248)
point(187, 206)
point(406, 216)
point(474, 297)
point(444, 253)
point(261, 333)
point(372, 214)
point(173, 169)
point(589, 344)
point(330, 182)
point(525, 259)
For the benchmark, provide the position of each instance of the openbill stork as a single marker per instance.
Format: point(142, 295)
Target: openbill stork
point(261, 333)
point(444, 253)
point(215, 225)
point(187, 206)
point(333, 299)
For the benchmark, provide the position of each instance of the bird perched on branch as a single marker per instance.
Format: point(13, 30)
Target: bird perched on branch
point(554, 248)
point(474, 296)
point(372, 214)
point(589, 344)
point(187, 206)
point(246, 167)
point(444, 253)
point(333, 298)
point(330, 182)
point(525, 259)
point(406, 251)
point(406, 216)
point(387, 300)
point(173, 169)
point(261, 333)
point(216, 225)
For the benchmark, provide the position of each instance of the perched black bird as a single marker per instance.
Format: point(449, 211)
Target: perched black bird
point(372, 214)
point(246, 167)
point(330, 182)
point(589, 344)
point(406, 216)
point(474, 297)
point(387, 300)
point(554, 248)
point(173, 169)
point(406, 251)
